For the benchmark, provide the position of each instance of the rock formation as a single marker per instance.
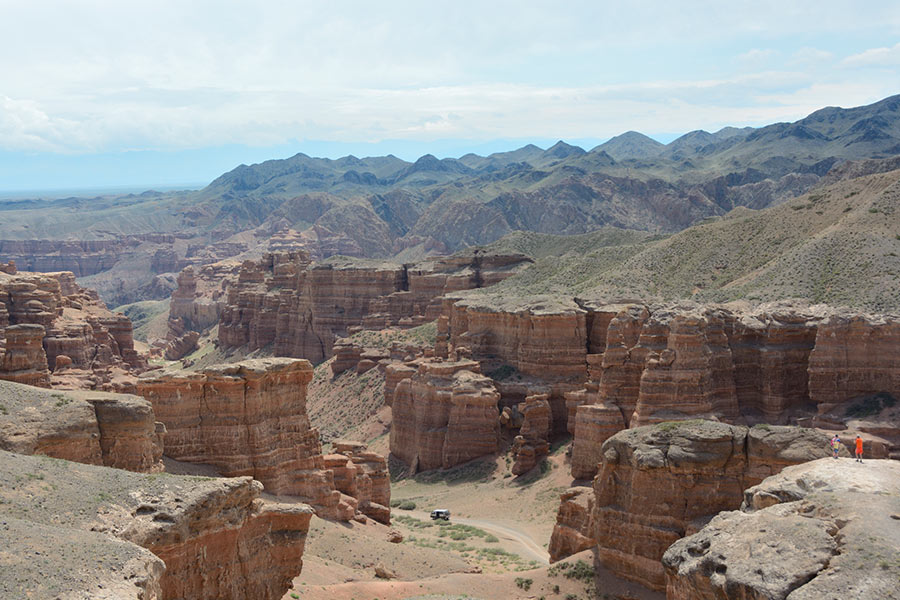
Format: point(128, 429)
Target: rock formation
point(444, 415)
point(823, 529)
point(249, 418)
point(657, 482)
point(533, 442)
point(47, 320)
point(363, 475)
point(854, 356)
point(181, 346)
point(93, 525)
point(115, 430)
point(573, 531)
point(301, 308)
point(24, 360)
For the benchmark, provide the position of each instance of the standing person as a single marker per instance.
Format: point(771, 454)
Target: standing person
point(835, 445)
point(859, 448)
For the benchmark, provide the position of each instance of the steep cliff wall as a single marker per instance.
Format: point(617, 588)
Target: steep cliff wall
point(444, 415)
point(217, 537)
point(656, 481)
point(301, 308)
point(249, 418)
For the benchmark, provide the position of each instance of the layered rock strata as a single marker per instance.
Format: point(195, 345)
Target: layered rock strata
point(246, 418)
point(824, 529)
point(443, 415)
point(217, 538)
point(301, 308)
point(364, 476)
point(115, 430)
point(58, 333)
point(656, 483)
point(533, 442)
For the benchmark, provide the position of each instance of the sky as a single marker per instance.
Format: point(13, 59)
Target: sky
point(110, 94)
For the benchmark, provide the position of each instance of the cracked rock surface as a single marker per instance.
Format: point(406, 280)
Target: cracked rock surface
point(823, 529)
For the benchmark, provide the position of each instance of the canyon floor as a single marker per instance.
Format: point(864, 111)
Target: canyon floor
point(494, 546)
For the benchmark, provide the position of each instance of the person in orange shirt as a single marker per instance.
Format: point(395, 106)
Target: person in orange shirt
point(859, 448)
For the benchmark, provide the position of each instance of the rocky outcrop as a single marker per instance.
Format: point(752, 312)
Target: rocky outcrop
point(301, 308)
point(115, 430)
point(824, 529)
point(24, 360)
point(533, 442)
point(249, 418)
point(656, 483)
point(46, 317)
point(573, 531)
point(364, 476)
point(181, 346)
point(246, 418)
point(693, 376)
point(217, 537)
point(444, 415)
point(594, 423)
point(200, 297)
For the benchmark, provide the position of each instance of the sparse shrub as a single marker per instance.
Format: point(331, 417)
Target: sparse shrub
point(407, 505)
point(491, 539)
point(502, 372)
point(871, 405)
point(555, 588)
point(524, 583)
point(395, 503)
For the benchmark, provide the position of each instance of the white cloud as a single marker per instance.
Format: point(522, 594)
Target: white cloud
point(88, 76)
point(875, 57)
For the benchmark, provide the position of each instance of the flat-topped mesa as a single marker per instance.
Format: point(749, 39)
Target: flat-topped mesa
point(81, 257)
point(83, 343)
point(656, 482)
point(301, 308)
point(99, 428)
point(216, 537)
point(444, 415)
point(546, 340)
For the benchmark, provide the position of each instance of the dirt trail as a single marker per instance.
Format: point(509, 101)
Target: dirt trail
point(530, 549)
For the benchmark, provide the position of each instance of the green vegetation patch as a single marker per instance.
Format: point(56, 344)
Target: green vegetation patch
point(871, 405)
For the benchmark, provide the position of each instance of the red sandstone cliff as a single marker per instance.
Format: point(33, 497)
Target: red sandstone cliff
point(249, 418)
point(444, 414)
point(656, 483)
point(49, 324)
point(301, 308)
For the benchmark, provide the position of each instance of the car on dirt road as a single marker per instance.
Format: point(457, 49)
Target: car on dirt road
point(440, 513)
